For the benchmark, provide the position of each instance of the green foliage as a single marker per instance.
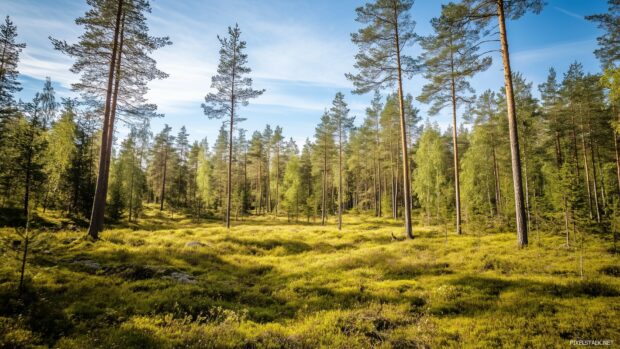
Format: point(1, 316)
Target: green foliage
point(430, 184)
point(299, 286)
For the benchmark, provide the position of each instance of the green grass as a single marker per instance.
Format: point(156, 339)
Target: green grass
point(286, 285)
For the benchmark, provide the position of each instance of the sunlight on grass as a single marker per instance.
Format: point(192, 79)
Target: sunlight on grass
point(305, 286)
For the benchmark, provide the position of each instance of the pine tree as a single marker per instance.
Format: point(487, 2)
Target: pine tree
point(232, 90)
point(324, 148)
point(609, 43)
point(28, 144)
point(267, 139)
point(430, 181)
point(451, 57)
point(48, 103)
point(61, 149)
point(203, 177)
point(256, 153)
point(292, 187)
point(339, 115)
point(276, 140)
point(307, 187)
point(159, 167)
point(481, 12)
point(381, 63)
point(113, 74)
point(9, 58)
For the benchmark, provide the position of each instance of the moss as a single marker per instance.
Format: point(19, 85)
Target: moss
point(266, 284)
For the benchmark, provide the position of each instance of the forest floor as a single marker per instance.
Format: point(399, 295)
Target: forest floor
point(172, 282)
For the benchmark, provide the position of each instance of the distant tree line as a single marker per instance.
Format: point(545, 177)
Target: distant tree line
point(553, 164)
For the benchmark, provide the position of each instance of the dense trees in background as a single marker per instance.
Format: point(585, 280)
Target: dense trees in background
point(233, 89)
point(382, 64)
point(451, 57)
point(557, 164)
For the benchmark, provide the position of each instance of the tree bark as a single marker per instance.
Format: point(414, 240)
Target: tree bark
point(99, 201)
point(277, 177)
point(340, 177)
point(403, 135)
point(455, 146)
point(163, 182)
point(617, 151)
point(522, 239)
point(323, 208)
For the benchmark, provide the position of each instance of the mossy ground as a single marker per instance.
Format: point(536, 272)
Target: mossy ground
point(286, 285)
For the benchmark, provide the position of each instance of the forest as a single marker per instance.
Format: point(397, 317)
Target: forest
point(381, 230)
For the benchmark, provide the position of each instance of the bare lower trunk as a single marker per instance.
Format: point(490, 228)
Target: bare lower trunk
point(230, 160)
point(340, 177)
point(323, 209)
point(163, 182)
point(455, 147)
point(513, 131)
point(97, 213)
point(586, 169)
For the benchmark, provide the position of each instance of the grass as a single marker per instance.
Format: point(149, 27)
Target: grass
point(172, 282)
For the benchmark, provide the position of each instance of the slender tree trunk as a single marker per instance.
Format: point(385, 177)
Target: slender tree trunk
point(597, 209)
point(230, 159)
point(513, 131)
point(339, 177)
point(99, 201)
point(403, 134)
point(587, 172)
point(24, 256)
point(268, 191)
point(260, 185)
point(323, 208)
point(526, 179)
point(163, 182)
point(378, 156)
point(131, 185)
point(602, 171)
point(455, 146)
point(277, 177)
point(617, 151)
point(117, 78)
point(498, 192)
point(28, 176)
point(574, 139)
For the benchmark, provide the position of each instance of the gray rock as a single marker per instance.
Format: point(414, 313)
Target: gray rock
point(195, 244)
point(180, 277)
point(88, 264)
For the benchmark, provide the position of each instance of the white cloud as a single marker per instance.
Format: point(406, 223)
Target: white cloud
point(569, 13)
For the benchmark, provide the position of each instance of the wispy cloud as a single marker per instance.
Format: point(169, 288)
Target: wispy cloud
point(569, 13)
point(544, 54)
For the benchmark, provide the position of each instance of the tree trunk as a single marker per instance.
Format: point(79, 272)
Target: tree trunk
point(378, 155)
point(28, 176)
point(229, 182)
point(268, 191)
point(597, 209)
point(587, 171)
point(617, 152)
point(512, 127)
point(323, 209)
point(163, 182)
point(131, 185)
point(99, 201)
point(498, 188)
point(339, 177)
point(277, 177)
point(403, 135)
point(455, 146)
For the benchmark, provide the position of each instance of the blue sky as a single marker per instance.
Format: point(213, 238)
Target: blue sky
point(299, 52)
